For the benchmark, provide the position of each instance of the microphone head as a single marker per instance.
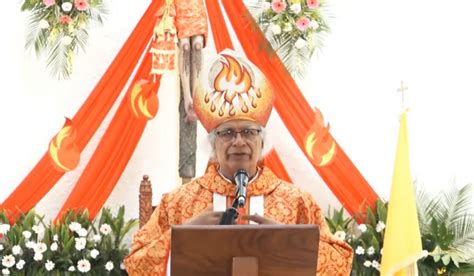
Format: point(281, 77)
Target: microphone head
point(241, 176)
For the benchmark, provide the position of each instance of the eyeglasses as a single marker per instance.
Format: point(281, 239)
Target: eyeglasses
point(246, 133)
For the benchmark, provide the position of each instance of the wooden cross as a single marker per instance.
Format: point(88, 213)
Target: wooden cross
point(402, 90)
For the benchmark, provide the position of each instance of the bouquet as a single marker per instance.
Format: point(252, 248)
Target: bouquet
point(59, 28)
point(295, 28)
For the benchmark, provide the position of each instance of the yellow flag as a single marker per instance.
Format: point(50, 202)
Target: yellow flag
point(402, 242)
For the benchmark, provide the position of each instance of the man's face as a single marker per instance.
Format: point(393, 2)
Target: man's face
point(238, 145)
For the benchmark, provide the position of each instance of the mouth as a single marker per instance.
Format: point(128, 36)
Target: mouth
point(238, 155)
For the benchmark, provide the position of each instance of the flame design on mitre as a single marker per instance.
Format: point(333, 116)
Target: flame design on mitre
point(63, 151)
point(319, 143)
point(232, 88)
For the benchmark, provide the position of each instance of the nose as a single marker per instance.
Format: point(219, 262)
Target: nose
point(238, 140)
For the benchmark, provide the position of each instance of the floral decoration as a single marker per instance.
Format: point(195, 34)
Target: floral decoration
point(59, 28)
point(73, 246)
point(295, 28)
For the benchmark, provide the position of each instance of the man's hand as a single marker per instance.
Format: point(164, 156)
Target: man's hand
point(208, 217)
point(259, 219)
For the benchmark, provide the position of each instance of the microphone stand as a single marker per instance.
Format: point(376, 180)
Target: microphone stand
point(231, 214)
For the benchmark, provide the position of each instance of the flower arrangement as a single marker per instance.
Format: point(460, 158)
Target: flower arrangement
point(59, 28)
point(446, 227)
point(295, 28)
point(75, 245)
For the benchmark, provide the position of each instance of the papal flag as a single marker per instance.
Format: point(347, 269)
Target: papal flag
point(402, 242)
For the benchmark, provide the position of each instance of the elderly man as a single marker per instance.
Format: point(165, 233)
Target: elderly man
point(233, 102)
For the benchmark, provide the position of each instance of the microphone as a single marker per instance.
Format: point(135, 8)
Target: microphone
point(241, 178)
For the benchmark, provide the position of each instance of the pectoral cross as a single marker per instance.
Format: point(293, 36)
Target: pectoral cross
point(402, 90)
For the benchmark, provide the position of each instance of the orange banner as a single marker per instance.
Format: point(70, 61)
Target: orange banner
point(113, 152)
point(91, 114)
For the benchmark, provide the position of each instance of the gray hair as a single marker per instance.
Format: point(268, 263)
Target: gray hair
point(211, 137)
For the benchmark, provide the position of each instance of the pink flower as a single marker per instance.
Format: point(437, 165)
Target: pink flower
point(278, 6)
point(303, 23)
point(65, 19)
point(48, 3)
point(312, 4)
point(81, 5)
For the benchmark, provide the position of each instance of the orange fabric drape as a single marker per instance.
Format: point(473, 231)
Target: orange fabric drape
point(88, 118)
point(272, 161)
point(112, 154)
point(222, 41)
point(342, 177)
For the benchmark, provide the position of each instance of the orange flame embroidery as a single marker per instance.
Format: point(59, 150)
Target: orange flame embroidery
point(319, 144)
point(65, 154)
point(143, 102)
point(232, 88)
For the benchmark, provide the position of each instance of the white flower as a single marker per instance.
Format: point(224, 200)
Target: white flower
point(83, 266)
point(276, 29)
point(71, 268)
point(424, 253)
point(74, 226)
point(360, 250)
point(109, 266)
point(66, 40)
point(287, 27)
point(380, 226)
point(54, 246)
point(82, 232)
point(266, 5)
point(381, 251)
point(80, 243)
point(5, 271)
point(49, 265)
point(370, 251)
point(376, 264)
point(105, 229)
point(40, 247)
point(368, 263)
point(27, 234)
point(122, 266)
point(16, 250)
point(1, 247)
point(8, 261)
point(66, 6)
point(340, 235)
point(296, 8)
point(43, 24)
point(96, 238)
point(300, 43)
point(94, 253)
point(38, 257)
point(38, 229)
point(20, 264)
point(55, 238)
point(4, 228)
point(30, 244)
point(314, 24)
point(362, 227)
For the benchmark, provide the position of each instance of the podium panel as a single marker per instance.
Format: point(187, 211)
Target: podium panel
point(276, 249)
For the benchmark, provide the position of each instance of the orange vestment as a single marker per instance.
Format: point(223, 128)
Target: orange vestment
point(283, 202)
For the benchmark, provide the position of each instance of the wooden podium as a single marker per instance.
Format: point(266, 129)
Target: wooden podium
point(244, 250)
